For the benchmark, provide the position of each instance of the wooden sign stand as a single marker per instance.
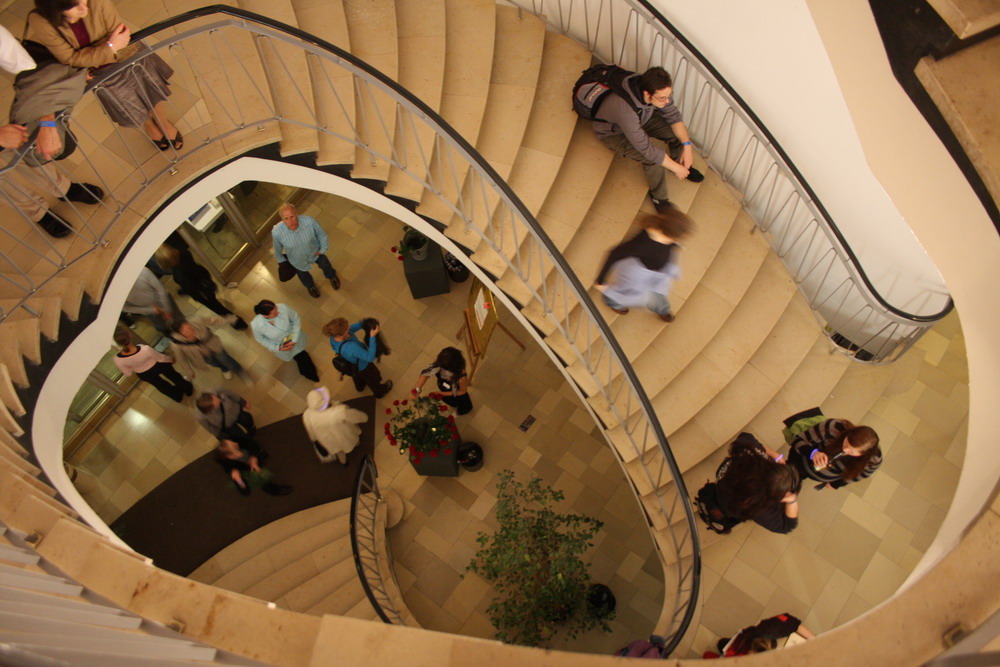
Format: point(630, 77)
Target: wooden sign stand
point(480, 320)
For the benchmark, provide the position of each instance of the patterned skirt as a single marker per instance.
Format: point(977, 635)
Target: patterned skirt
point(129, 96)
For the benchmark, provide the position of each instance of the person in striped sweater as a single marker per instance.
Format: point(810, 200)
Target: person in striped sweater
point(835, 452)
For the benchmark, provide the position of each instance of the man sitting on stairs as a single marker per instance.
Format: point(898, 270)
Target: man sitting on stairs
point(628, 126)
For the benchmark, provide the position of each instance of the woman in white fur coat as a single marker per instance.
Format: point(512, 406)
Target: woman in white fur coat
point(331, 425)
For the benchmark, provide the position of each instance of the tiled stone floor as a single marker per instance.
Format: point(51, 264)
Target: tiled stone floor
point(853, 549)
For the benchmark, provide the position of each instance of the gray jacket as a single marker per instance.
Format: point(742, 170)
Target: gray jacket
point(616, 117)
point(217, 420)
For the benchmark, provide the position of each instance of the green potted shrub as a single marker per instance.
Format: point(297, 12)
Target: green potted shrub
point(534, 562)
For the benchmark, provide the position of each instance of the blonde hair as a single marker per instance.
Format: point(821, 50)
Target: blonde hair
point(336, 327)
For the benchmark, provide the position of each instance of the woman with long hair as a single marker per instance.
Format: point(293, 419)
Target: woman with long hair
point(453, 383)
point(753, 485)
point(835, 452)
point(91, 34)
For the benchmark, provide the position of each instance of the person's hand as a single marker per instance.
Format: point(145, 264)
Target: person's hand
point(680, 171)
point(254, 464)
point(600, 287)
point(119, 37)
point(246, 404)
point(375, 329)
point(48, 143)
point(819, 460)
point(236, 477)
point(687, 157)
point(790, 498)
point(287, 345)
point(12, 136)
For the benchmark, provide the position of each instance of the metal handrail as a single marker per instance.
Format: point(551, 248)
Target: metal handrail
point(365, 538)
point(448, 167)
point(731, 137)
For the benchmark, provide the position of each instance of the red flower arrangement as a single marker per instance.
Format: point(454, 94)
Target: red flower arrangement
point(421, 427)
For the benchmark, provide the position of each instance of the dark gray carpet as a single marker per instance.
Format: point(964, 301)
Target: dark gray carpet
point(197, 512)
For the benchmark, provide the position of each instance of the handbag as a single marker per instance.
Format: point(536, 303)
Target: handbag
point(286, 271)
point(344, 367)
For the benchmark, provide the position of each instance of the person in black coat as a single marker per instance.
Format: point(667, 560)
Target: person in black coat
point(192, 278)
point(755, 484)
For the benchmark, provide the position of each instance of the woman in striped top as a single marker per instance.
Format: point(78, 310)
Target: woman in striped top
point(836, 452)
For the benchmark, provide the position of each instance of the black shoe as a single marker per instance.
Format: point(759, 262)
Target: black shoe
point(240, 324)
point(695, 176)
point(190, 389)
point(84, 193)
point(661, 205)
point(335, 281)
point(278, 489)
point(669, 317)
point(54, 226)
point(244, 490)
point(313, 292)
point(388, 388)
point(620, 311)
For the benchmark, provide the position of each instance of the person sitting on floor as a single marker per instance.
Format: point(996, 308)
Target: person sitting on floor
point(241, 461)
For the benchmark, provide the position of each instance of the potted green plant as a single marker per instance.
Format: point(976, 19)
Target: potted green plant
point(422, 428)
point(413, 245)
point(534, 562)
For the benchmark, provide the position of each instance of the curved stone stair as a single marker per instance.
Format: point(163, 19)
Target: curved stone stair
point(744, 352)
point(302, 562)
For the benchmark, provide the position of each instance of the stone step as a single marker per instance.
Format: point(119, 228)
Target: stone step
point(371, 25)
point(471, 31)
point(968, 17)
point(332, 86)
point(517, 58)
point(273, 535)
point(288, 78)
point(421, 36)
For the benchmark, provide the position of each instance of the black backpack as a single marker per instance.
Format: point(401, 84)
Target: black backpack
point(593, 86)
point(707, 505)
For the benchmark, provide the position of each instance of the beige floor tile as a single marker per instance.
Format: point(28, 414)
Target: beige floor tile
point(907, 508)
point(826, 608)
point(748, 580)
point(866, 515)
point(880, 580)
point(848, 546)
point(803, 572)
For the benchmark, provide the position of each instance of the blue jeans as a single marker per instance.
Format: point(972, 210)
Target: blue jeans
point(324, 264)
point(655, 302)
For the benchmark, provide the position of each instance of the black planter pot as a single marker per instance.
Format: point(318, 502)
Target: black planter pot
point(601, 600)
point(470, 456)
point(441, 465)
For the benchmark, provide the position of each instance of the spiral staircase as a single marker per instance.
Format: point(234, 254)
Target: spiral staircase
point(743, 353)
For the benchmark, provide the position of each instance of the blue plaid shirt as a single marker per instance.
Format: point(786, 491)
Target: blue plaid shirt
point(300, 246)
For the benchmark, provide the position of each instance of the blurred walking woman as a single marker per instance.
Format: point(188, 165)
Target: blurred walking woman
point(91, 33)
point(836, 452)
point(453, 383)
